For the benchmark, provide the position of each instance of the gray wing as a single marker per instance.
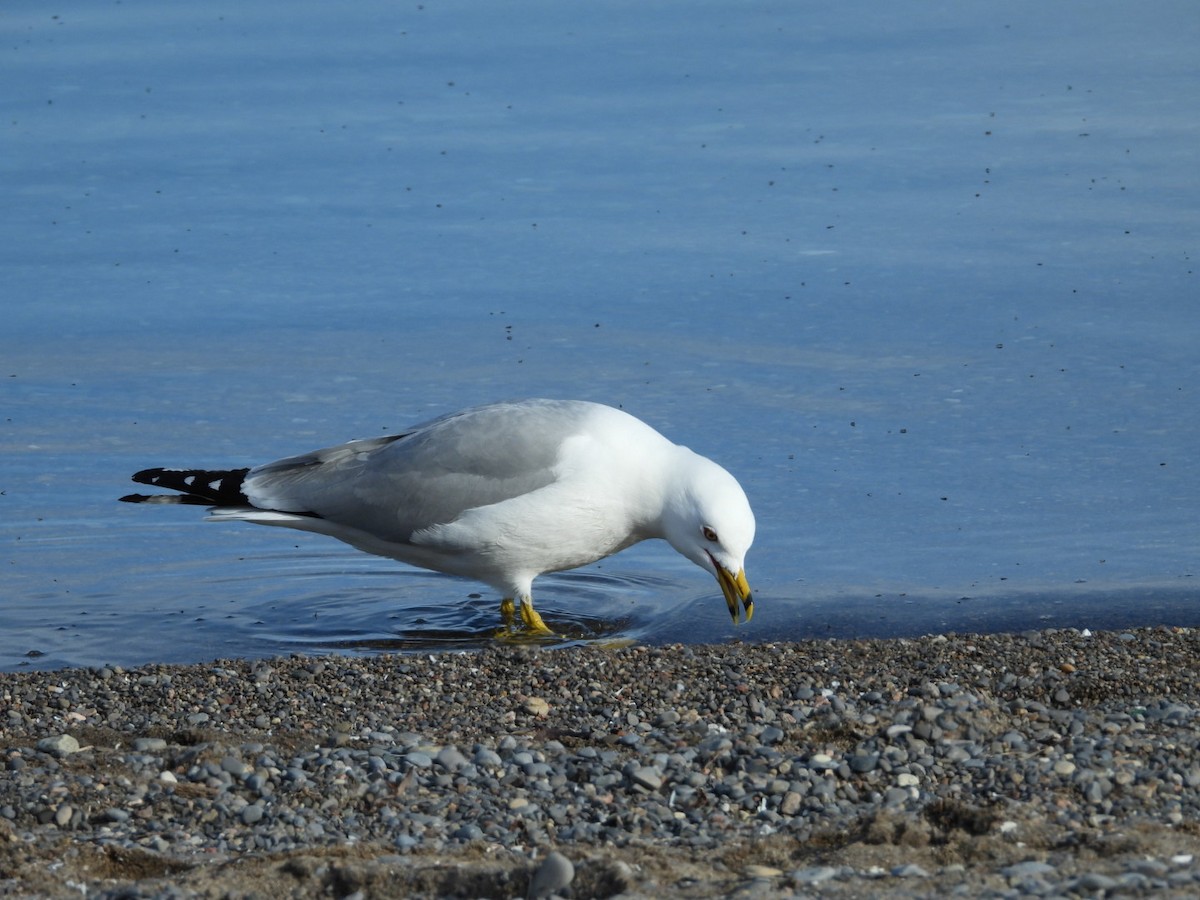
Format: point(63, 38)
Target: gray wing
point(395, 485)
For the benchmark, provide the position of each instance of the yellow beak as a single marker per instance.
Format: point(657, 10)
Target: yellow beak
point(735, 588)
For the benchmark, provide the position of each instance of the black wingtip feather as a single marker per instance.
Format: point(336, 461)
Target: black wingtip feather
point(200, 486)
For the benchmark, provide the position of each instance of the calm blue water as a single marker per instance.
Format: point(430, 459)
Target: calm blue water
point(923, 276)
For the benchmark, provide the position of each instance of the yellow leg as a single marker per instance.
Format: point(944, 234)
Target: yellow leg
point(533, 622)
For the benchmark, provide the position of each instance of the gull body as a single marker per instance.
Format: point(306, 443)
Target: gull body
point(498, 493)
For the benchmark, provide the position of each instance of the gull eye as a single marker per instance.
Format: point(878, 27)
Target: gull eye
point(709, 534)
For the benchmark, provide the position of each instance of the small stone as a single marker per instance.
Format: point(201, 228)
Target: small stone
point(1015, 739)
point(1155, 868)
point(790, 804)
point(554, 874)
point(907, 779)
point(1064, 767)
point(149, 745)
point(1029, 869)
point(863, 762)
point(468, 832)
point(771, 735)
point(62, 815)
point(451, 759)
point(756, 871)
point(251, 814)
point(648, 777)
point(814, 875)
point(896, 796)
point(909, 870)
point(419, 760)
point(1095, 881)
point(488, 758)
point(59, 745)
point(536, 706)
point(1130, 883)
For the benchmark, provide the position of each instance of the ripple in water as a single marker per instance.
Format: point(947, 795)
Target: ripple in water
point(414, 610)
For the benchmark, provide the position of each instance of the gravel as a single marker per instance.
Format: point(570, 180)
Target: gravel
point(1054, 763)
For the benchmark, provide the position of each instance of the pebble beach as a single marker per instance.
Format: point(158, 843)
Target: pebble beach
point(1049, 763)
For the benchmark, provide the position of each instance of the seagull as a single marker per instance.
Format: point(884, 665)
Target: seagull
point(498, 493)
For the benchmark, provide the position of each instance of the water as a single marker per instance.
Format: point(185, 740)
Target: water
point(922, 277)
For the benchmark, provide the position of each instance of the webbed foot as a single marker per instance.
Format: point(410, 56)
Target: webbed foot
point(530, 625)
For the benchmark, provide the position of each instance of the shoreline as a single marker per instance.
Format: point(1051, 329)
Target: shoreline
point(1049, 761)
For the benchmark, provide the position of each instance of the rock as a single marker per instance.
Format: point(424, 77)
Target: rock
point(59, 745)
point(790, 804)
point(756, 871)
point(1095, 881)
point(821, 761)
point(648, 777)
point(536, 706)
point(488, 758)
point(251, 814)
point(771, 735)
point(451, 759)
point(468, 832)
point(1155, 868)
point(813, 875)
point(863, 762)
point(1029, 869)
point(554, 874)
